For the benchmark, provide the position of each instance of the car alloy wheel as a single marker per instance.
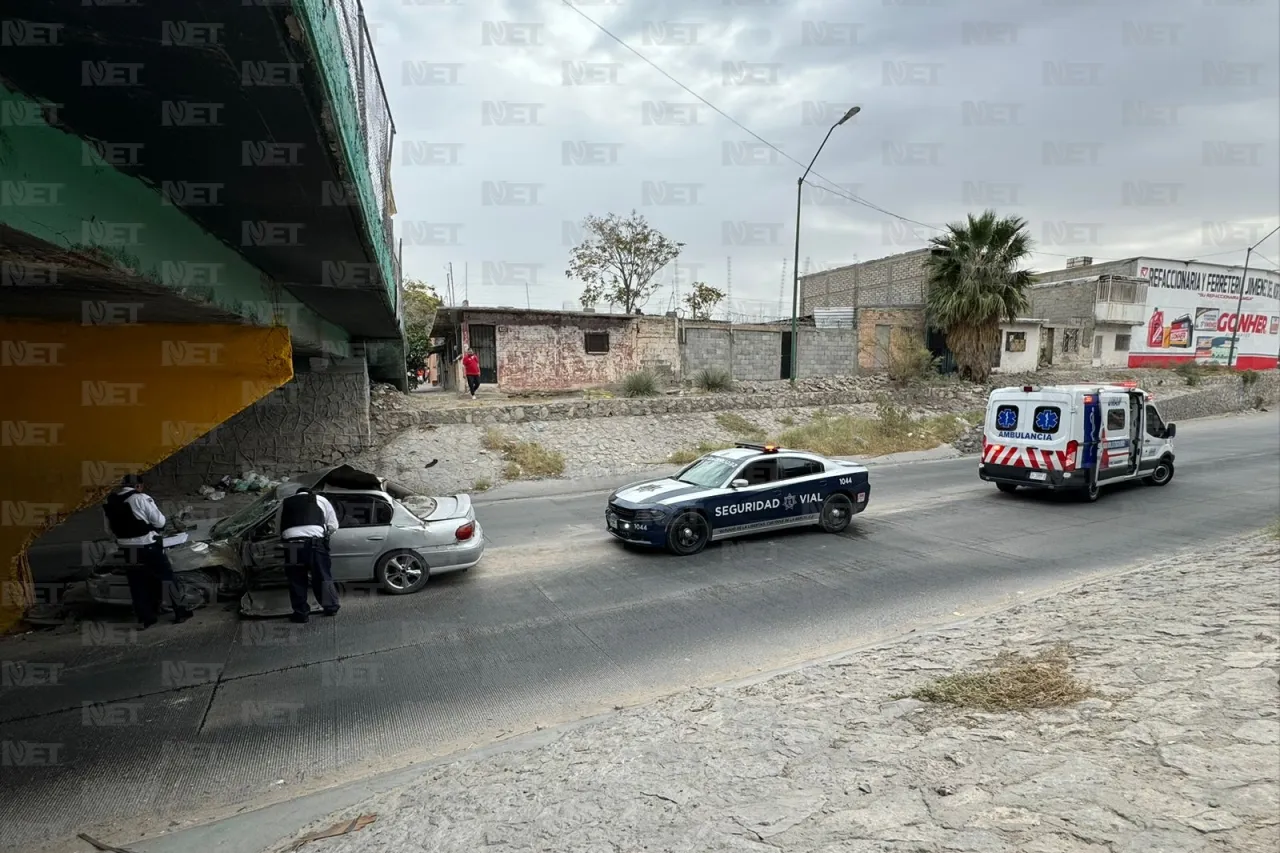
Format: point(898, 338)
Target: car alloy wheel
point(402, 572)
point(1162, 475)
point(688, 533)
point(837, 512)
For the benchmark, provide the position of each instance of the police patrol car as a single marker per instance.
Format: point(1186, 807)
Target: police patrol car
point(1077, 437)
point(746, 489)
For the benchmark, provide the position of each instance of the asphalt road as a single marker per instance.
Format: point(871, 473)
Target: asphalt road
point(557, 623)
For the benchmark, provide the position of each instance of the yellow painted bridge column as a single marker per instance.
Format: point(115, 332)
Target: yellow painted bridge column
point(84, 405)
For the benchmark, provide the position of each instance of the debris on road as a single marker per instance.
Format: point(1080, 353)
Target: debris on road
point(343, 828)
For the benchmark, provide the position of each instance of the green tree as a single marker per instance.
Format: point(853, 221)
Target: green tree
point(974, 283)
point(420, 304)
point(702, 300)
point(618, 259)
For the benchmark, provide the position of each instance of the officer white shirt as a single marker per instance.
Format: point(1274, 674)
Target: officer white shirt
point(144, 508)
point(311, 531)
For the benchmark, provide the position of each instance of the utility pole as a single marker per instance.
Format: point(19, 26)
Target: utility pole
point(1244, 282)
point(795, 292)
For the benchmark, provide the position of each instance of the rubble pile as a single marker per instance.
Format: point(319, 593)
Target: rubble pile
point(249, 481)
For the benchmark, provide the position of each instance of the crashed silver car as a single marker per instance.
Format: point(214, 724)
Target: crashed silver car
point(386, 535)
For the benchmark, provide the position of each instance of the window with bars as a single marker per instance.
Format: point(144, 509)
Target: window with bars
point(596, 343)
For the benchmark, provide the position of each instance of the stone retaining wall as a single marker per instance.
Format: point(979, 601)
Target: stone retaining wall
point(1221, 398)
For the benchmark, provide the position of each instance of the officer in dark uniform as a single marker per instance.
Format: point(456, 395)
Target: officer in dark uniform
point(135, 521)
point(306, 521)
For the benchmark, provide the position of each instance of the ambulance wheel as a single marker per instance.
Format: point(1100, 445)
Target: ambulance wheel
point(1162, 475)
point(837, 512)
point(1007, 488)
point(688, 534)
point(1090, 491)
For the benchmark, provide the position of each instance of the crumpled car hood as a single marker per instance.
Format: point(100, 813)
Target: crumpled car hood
point(207, 554)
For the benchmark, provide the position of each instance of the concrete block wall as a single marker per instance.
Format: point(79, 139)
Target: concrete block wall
point(827, 352)
point(321, 417)
point(705, 349)
point(890, 281)
point(756, 355)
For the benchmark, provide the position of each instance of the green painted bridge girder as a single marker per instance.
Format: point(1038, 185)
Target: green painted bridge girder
point(54, 188)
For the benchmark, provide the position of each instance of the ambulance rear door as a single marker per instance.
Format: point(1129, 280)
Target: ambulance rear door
point(1032, 430)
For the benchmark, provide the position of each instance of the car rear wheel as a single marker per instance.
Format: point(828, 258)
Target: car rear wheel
point(837, 512)
point(1162, 474)
point(1007, 488)
point(688, 534)
point(401, 572)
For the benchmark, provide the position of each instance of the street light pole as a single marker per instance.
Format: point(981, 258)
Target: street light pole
point(1244, 280)
point(795, 283)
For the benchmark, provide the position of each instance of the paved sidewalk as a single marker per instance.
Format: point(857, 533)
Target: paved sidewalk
point(1181, 753)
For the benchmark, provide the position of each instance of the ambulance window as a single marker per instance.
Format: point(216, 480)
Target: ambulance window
point(1155, 423)
point(1115, 419)
point(1007, 418)
point(1047, 419)
point(789, 468)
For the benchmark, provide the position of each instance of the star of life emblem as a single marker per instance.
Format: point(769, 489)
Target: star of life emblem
point(789, 501)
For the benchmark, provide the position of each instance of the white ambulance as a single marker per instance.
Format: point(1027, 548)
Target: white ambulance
point(1074, 437)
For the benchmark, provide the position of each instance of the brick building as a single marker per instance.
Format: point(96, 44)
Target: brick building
point(523, 350)
point(887, 296)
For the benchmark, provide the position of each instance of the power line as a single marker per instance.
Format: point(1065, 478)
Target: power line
point(738, 124)
point(832, 187)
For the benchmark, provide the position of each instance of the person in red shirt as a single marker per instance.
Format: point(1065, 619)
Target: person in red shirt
point(471, 367)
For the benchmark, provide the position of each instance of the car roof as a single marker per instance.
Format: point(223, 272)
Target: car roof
point(743, 454)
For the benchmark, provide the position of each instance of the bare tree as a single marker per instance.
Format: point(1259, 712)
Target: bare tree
point(618, 259)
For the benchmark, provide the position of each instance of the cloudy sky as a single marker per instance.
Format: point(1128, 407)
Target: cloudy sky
point(1115, 127)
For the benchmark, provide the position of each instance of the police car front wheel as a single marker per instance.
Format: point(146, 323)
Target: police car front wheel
point(837, 512)
point(688, 533)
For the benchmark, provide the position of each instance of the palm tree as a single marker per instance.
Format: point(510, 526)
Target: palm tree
point(974, 283)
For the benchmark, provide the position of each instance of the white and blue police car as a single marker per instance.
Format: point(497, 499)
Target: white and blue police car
point(749, 488)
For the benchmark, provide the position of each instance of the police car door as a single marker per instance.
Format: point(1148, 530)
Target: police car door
point(1115, 443)
point(802, 492)
point(754, 506)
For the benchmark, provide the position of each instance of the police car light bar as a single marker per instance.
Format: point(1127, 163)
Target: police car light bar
point(764, 448)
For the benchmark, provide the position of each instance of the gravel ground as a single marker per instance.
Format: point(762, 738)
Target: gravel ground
point(592, 447)
point(1179, 751)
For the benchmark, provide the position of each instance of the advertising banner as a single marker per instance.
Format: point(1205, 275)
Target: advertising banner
point(1191, 316)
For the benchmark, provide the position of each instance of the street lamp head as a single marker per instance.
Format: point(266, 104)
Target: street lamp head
point(853, 111)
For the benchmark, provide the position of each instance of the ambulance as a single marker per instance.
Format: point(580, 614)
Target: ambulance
point(1074, 437)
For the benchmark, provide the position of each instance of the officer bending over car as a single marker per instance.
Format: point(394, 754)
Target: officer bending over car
point(306, 521)
point(136, 523)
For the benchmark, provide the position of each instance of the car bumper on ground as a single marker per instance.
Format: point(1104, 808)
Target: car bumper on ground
point(455, 557)
point(1031, 478)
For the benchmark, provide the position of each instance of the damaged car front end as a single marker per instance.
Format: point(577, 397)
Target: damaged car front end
point(388, 538)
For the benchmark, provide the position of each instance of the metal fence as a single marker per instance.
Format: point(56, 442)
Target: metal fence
point(376, 130)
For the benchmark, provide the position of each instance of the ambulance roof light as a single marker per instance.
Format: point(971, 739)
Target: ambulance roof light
point(1028, 388)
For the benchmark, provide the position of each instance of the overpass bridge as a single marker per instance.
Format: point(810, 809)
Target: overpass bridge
point(196, 251)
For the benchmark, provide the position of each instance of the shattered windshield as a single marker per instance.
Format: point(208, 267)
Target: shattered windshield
point(708, 472)
point(238, 522)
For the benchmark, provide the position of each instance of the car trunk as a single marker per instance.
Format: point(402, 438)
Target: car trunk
point(438, 509)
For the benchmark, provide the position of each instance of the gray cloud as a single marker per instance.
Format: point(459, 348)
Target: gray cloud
point(1115, 128)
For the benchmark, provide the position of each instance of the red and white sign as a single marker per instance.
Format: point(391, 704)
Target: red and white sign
point(1191, 316)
